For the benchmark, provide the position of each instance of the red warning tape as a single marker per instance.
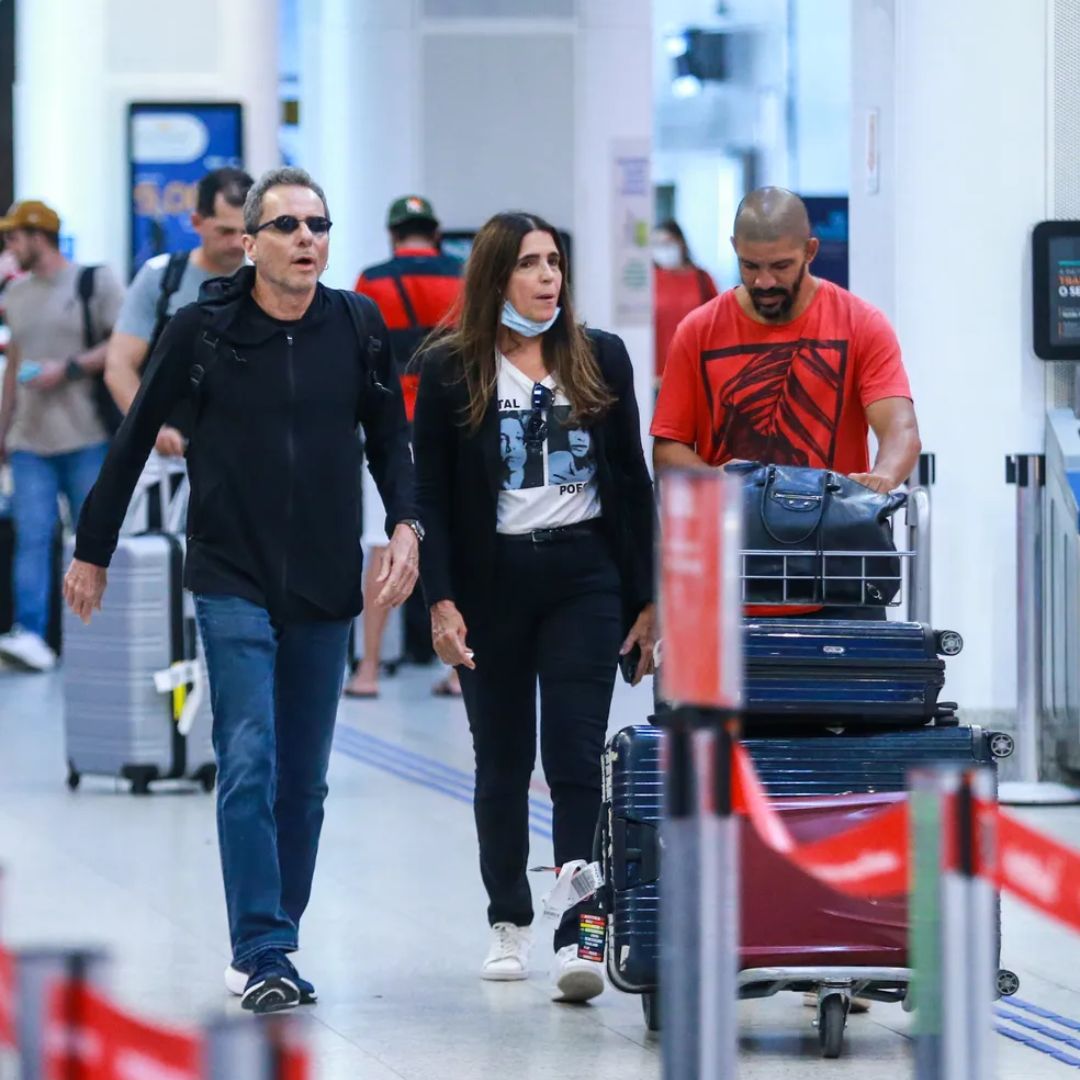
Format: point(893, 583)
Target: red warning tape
point(1036, 868)
point(89, 1038)
point(7, 999)
point(870, 859)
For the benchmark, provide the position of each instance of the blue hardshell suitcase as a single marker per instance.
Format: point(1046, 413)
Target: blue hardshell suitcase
point(812, 764)
point(804, 670)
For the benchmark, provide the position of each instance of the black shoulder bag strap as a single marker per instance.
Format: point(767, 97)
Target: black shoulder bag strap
point(406, 303)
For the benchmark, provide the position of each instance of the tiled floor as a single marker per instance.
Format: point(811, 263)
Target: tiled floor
point(396, 930)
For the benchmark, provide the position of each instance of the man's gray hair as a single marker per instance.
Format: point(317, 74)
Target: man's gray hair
point(283, 177)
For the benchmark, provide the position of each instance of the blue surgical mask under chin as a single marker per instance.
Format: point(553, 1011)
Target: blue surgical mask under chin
point(512, 319)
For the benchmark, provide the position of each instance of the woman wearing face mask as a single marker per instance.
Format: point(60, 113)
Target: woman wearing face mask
point(531, 578)
point(678, 286)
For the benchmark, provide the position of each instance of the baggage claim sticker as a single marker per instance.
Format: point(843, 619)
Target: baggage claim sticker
point(591, 938)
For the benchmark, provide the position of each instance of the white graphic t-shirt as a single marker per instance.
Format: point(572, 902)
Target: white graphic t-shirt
point(548, 470)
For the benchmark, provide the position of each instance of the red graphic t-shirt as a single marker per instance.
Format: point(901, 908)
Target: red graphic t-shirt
point(788, 394)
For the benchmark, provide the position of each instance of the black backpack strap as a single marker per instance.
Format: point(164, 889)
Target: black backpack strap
point(85, 292)
point(371, 347)
point(170, 282)
point(406, 303)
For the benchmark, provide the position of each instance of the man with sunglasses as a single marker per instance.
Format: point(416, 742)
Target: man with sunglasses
point(282, 370)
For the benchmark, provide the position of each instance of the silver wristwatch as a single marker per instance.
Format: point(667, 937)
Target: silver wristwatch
point(416, 527)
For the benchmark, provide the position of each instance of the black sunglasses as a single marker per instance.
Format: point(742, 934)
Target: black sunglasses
point(288, 223)
point(536, 427)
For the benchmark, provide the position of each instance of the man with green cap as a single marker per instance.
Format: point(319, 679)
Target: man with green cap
point(414, 290)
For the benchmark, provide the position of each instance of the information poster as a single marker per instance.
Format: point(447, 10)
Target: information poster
point(171, 146)
point(1065, 291)
point(631, 225)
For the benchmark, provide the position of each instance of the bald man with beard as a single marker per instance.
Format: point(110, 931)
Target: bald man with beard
point(786, 368)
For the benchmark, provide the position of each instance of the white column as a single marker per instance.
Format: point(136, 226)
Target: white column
point(961, 88)
point(359, 122)
point(614, 104)
point(78, 65)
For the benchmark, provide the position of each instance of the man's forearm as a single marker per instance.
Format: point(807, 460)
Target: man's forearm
point(898, 453)
point(670, 454)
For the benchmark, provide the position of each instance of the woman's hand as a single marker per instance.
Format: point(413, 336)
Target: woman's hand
point(642, 633)
point(448, 632)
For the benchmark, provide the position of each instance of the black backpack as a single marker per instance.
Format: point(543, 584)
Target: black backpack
point(108, 413)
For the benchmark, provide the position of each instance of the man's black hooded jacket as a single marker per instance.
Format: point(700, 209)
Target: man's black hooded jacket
point(274, 457)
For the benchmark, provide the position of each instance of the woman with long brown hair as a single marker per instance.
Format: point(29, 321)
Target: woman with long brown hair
point(537, 560)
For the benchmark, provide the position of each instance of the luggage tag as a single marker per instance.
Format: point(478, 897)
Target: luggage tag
point(175, 679)
point(577, 881)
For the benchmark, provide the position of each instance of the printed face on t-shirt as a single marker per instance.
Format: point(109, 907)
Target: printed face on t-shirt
point(569, 459)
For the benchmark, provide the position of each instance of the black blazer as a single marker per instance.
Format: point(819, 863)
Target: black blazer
point(458, 481)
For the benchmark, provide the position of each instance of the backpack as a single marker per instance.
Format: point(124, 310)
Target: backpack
point(209, 348)
point(107, 411)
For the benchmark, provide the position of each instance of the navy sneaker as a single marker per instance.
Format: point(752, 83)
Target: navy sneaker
point(236, 980)
point(271, 986)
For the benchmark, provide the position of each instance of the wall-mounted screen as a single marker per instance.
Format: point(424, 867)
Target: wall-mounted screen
point(1056, 274)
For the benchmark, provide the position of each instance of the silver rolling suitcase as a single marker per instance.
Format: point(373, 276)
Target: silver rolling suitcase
point(136, 697)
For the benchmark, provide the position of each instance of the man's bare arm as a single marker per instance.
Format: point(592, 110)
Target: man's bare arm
point(123, 363)
point(667, 453)
point(899, 445)
point(7, 398)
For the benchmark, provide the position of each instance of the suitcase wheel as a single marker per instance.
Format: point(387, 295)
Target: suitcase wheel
point(207, 777)
point(832, 1018)
point(949, 643)
point(650, 1009)
point(1002, 744)
point(73, 777)
point(1008, 982)
point(140, 777)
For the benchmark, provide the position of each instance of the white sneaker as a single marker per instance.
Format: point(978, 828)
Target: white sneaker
point(27, 650)
point(576, 979)
point(508, 958)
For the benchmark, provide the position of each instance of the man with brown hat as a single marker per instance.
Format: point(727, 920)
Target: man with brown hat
point(60, 316)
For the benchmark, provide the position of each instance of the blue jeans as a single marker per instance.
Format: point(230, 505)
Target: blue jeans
point(39, 480)
point(274, 691)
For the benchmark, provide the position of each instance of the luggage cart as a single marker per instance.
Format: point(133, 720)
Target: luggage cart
point(849, 579)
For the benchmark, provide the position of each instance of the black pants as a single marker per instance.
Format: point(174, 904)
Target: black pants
point(559, 621)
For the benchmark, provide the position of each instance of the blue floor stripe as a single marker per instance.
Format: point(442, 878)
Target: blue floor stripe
point(1042, 1048)
point(1039, 1029)
point(403, 772)
point(448, 772)
point(1045, 1014)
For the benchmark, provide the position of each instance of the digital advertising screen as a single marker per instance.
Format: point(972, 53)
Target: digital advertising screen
point(171, 146)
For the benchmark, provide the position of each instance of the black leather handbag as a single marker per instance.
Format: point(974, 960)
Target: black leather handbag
point(799, 519)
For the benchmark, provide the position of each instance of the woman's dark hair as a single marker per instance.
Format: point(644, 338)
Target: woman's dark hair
point(673, 227)
point(470, 330)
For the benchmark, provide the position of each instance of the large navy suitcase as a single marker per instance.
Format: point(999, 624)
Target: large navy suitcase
point(804, 670)
point(866, 768)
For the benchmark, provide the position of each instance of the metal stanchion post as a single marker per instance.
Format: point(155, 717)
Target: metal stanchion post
point(720, 910)
point(237, 1048)
point(700, 604)
point(37, 972)
point(954, 932)
point(1028, 473)
point(680, 914)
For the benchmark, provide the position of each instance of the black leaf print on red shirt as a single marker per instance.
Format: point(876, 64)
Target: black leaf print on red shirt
point(779, 403)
